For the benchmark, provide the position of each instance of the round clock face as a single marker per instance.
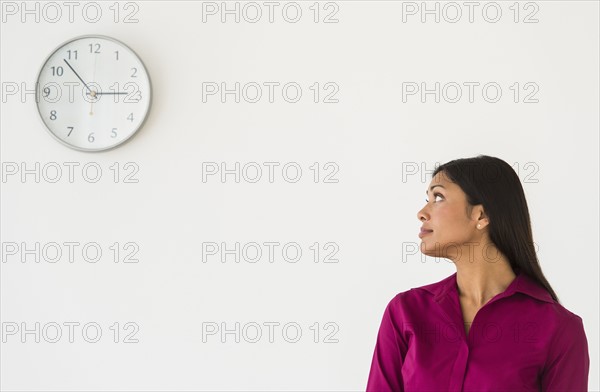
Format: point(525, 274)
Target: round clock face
point(93, 93)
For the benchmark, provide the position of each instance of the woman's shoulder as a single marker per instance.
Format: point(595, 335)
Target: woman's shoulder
point(536, 299)
point(562, 316)
point(422, 294)
point(437, 288)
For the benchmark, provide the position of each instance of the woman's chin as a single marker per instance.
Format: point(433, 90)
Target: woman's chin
point(428, 253)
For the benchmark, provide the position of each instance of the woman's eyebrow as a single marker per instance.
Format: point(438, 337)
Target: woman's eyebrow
point(433, 186)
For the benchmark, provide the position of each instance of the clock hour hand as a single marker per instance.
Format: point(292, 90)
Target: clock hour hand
point(111, 93)
point(76, 74)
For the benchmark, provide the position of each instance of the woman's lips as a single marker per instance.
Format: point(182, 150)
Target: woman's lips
point(423, 233)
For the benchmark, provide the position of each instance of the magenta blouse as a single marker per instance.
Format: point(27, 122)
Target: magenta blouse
point(520, 340)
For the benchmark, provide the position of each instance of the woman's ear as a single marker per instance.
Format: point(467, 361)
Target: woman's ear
point(480, 216)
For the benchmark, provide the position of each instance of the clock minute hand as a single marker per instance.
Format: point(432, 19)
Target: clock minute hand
point(119, 93)
point(76, 74)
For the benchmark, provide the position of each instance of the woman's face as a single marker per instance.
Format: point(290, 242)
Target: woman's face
point(446, 225)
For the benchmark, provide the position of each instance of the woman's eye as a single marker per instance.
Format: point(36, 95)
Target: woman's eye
point(435, 195)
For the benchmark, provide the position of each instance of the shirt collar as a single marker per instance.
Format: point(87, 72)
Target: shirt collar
point(522, 284)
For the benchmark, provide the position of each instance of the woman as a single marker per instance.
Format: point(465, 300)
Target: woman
point(495, 324)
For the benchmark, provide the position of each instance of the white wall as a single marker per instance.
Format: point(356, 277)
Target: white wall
point(370, 135)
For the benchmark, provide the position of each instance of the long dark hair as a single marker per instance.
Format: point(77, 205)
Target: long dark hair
point(495, 185)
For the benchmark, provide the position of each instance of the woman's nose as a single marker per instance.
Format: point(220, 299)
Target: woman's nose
point(421, 215)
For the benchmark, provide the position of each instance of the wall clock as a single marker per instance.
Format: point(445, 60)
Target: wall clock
point(93, 93)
